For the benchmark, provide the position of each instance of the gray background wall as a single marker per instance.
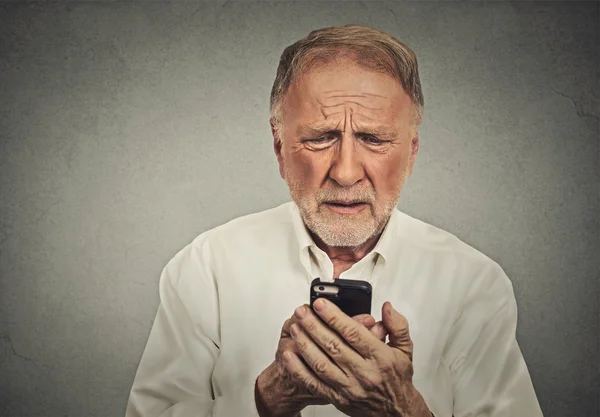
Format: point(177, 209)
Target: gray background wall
point(129, 128)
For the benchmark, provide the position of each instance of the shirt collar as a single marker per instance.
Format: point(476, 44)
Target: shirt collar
point(388, 239)
point(383, 247)
point(304, 239)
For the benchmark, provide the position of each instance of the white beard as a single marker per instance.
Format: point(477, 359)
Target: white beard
point(341, 230)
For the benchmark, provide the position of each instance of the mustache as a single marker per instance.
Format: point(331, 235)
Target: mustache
point(354, 196)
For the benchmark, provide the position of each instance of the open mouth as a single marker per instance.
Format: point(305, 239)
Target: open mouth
point(343, 204)
point(346, 207)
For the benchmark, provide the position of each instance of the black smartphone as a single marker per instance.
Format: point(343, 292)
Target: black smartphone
point(353, 297)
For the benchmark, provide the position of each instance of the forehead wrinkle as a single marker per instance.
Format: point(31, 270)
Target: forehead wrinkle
point(364, 116)
point(333, 101)
point(346, 99)
point(333, 93)
point(347, 117)
point(329, 114)
point(340, 112)
point(350, 104)
point(360, 124)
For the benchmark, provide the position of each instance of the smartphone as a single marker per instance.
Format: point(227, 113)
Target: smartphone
point(353, 297)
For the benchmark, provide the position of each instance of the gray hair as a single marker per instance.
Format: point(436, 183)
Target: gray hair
point(370, 48)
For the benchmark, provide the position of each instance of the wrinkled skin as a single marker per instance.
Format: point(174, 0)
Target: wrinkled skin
point(347, 135)
point(282, 395)
point(349, 366)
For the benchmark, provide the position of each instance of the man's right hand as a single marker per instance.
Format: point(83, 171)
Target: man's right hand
point(276, 394)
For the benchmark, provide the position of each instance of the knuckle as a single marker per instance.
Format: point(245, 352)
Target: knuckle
point(333, 321)
point(410, 370)
point(297, 375)
point(285, 330)
point(390, 362)
point(359, 317)
point(386, 361)
point(372, 380)
point(351, 334)
point(333, 347)
point(356, 394)
point(301, 344)
point(310, 326)
point(402, 366)
point(387, 365)
point(407, 352)
point(279, 353)
point(312, 386)
point(410, 349)
point(320, 367)
point(343, 400)
point(292, 388)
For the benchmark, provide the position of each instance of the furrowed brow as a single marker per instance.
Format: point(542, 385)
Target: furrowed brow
point(379, 131)
point(313, 130)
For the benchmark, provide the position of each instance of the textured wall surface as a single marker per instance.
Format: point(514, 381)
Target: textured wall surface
point(126, 129)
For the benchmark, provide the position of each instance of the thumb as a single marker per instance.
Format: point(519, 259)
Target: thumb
point(379, 331)
point(397, 326)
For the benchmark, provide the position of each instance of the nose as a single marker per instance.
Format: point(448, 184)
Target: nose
point(346, 168)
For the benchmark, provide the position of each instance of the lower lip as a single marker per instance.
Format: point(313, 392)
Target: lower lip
point(356, 208)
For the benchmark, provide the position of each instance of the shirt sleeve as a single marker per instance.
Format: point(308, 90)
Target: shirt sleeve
point(489, 374)
point(173, 378)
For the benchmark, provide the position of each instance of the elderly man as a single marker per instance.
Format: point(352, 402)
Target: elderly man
point(233, 335)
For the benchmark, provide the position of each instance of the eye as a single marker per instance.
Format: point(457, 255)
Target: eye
point(321, 139)
point(372, 140)
point(321, 142)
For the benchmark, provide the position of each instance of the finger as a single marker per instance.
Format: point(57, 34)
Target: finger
point(317, 360)
point(366, 320)
point(328, 340)
point(397, 325)
point(285, 330)
point(305, 376)
point(357, 336)
point(379, 330)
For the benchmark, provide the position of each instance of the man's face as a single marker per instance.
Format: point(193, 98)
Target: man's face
point(349, 143)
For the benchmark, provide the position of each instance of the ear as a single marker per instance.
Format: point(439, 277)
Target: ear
point(414, 149)
point(277, 144)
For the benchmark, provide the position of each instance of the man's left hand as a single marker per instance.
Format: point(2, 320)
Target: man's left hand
point(348, 365)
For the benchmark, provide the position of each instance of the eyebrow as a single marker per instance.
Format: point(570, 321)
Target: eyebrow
point(313, 130)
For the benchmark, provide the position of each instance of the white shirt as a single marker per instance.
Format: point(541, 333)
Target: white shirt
point(225, 297)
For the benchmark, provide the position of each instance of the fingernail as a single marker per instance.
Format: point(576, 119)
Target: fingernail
point(294, 329)
point(300, 312)
point(319, 304)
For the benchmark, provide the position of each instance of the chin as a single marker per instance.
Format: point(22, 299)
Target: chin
point(335, 229)
point(344, 232)
point(344, 241)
